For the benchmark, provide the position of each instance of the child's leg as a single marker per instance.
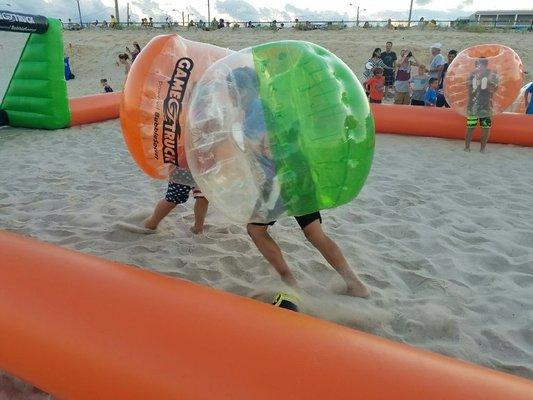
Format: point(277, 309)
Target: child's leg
point(333, 255)
point(485, 133)
point(200, 210)
point(176, 194)
point(271, 251)
point(471, 123)
point(161, 210)
point(485, 123)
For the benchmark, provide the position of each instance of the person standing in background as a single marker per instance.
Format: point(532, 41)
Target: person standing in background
point(403, 75)
point(389, 59)
point(437, 63)
point(441, 100)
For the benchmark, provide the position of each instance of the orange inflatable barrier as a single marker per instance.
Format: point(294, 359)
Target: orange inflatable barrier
point(81, 327)
point(507, 128)
point(94, 108)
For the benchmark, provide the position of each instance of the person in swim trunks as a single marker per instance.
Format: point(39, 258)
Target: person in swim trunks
point(482, 84)
point(245, 83)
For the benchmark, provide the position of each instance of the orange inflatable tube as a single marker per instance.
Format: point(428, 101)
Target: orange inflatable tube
point(94, 108)
point(81, 327)
point(507, 128)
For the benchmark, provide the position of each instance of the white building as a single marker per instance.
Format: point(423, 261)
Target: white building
point(504, 17)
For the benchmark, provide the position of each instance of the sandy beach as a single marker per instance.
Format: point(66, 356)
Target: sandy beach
point(443, 238)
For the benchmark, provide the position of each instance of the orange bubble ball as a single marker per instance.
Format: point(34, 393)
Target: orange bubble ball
point(483, 80)
point(519, 105)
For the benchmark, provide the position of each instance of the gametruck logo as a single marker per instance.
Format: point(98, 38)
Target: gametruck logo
point(14, 17)
point(172, 107)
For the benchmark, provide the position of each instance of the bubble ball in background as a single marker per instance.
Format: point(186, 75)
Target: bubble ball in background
point(282, 128)
point(483, 80)
point(519, 104)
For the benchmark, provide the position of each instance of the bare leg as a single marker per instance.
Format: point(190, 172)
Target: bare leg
point(468, 138)
point(333, 255)
point(485, 132)
point(271, 251)
point(161, 210)
point(200, 210)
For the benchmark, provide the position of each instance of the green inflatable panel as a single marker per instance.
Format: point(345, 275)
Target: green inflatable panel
point(319, 123)
point(37, 93)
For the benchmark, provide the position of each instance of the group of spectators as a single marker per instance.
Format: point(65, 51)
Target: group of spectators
point(387, 76)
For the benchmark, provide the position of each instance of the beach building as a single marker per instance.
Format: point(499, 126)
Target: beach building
point(513, 18)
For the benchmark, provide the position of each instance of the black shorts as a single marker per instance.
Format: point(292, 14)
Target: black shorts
point(417, 102)
point(389, 78)
point(303, 220)
point(375, 101)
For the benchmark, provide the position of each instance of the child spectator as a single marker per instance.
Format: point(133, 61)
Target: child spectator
point(529, 99)
point(135, 52)
point(430, 99)
point(376, 86)
point(373, 62)
point(419, 84)
point(124, 59)
point(106, 86)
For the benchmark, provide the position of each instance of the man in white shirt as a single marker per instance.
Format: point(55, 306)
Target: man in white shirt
point(438, 61)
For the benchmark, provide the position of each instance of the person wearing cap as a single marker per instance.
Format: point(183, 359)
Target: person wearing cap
point(438, 61)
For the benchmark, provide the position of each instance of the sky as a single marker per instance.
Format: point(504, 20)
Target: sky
point(262, 10)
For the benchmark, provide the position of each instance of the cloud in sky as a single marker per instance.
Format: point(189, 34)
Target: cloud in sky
point(306, 14)
point(238, 10)
point(422, 12)
point(150, 8)
point(264, 10)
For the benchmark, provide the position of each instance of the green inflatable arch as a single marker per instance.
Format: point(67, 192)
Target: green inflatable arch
point(36, 96)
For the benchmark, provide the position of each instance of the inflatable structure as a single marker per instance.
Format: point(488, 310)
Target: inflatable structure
point(36, 94)
point(80, 327)
point(156, 100)
point(483, 80)
point(519, 104)
point(33, 90)
point(283, 128)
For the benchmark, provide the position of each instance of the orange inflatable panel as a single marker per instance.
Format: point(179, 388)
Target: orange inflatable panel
point(507, 128)
point(81, 327)
point(94, 108)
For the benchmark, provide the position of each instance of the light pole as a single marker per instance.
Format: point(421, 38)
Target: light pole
point(208, 13)
point(410, 12)
point(79, 13)
point(357, 17)
point(116, 11)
